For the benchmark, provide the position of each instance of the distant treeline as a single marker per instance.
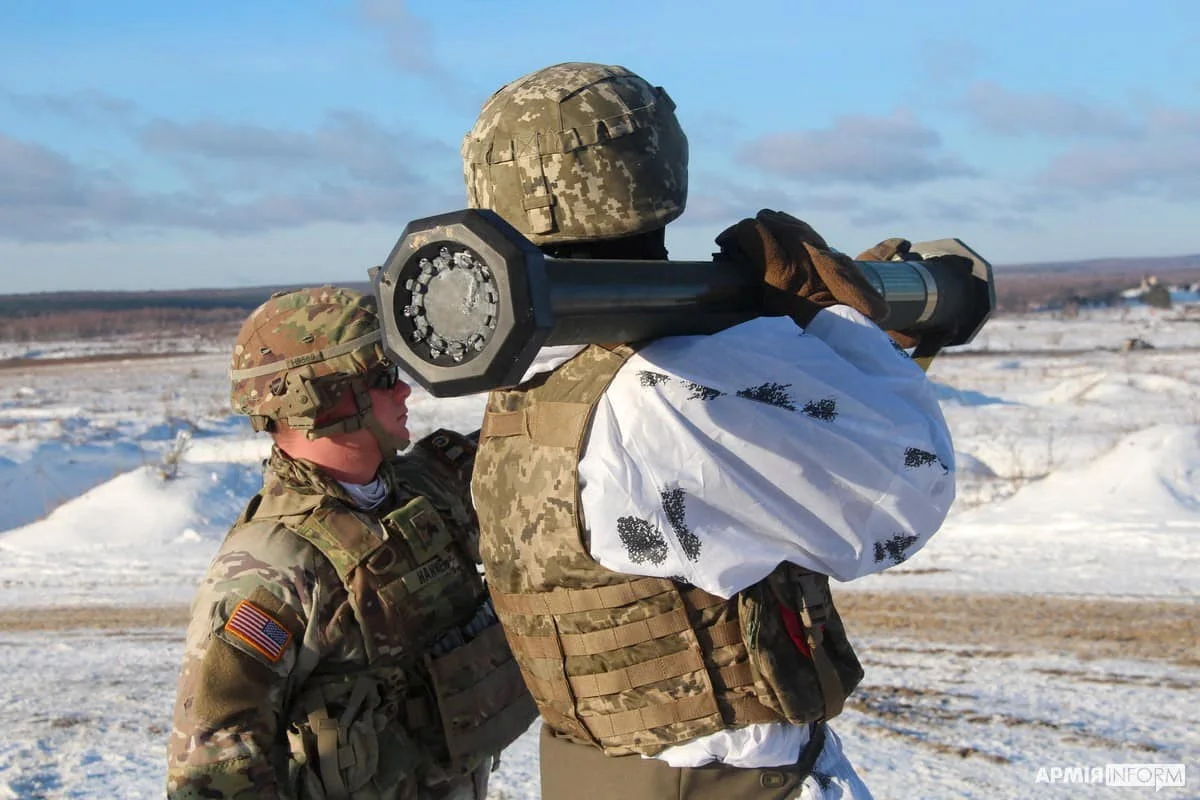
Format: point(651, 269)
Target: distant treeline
point(1098, 281)
point(52, 326)
point(54, 316)
point(1027, 289)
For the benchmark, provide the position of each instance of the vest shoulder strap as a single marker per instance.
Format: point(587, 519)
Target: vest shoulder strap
point(340, 536)
point(561, 423)
point(248, 512)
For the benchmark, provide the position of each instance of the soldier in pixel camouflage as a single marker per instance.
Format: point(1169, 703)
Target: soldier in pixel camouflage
point(342, 644)
point(659, 520)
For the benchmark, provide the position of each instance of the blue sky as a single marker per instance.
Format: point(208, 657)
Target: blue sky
point(162, 145)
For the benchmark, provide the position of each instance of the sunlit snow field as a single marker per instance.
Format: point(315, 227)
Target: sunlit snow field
point(1080, 478)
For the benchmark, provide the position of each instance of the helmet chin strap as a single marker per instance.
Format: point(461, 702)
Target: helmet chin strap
point(389, 444)
point(363, 418)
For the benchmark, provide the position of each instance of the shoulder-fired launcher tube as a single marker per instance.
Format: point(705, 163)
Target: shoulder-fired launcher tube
point(466, 301)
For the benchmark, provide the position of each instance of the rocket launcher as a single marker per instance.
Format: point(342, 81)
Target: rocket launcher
point(466, 301)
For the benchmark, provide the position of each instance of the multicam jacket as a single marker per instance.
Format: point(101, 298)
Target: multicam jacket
point(336, 653)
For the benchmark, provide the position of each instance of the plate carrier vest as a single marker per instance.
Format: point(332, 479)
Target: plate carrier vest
point(628, 664)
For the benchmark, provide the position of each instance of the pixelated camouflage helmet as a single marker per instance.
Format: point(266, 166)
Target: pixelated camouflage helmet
point(578, 152)
point(296, 351)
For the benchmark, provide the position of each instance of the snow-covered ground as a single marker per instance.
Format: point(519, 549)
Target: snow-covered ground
point(1080, 478)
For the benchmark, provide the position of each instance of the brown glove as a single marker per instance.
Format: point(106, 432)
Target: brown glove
point(801, 273)
point(894, 249)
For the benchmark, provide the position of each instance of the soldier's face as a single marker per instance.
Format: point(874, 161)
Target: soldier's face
point(391, 408)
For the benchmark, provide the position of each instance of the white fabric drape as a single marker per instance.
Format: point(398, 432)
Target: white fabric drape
point(711, 459)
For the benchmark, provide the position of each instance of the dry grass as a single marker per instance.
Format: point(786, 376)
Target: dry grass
point(95, 358)
point(1088, 628)
point(104, 618)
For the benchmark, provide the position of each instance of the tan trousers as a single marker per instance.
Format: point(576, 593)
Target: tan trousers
point(573, 771)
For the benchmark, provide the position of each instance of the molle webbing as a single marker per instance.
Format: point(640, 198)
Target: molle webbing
point(581, 644)
point(565, 601)
point(333, 751)
point(734, 676)
point(550, 661)
point(455, 701)
point(526, 476)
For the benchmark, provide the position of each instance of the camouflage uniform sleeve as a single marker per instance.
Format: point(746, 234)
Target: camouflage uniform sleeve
point(250, 642)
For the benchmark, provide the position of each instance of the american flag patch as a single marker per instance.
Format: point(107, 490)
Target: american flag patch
point(259, 629)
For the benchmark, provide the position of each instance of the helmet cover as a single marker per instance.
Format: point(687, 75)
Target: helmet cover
point(296, 347)
point(578, 151)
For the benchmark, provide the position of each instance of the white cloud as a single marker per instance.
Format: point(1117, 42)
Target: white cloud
point(875, 151)
point(1002, 111)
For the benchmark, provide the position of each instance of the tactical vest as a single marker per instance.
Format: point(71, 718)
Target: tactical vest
point(439, 692)
point(633, 665)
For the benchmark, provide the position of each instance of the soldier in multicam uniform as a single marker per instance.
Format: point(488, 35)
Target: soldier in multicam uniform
point(342, 644)
point(659, 520)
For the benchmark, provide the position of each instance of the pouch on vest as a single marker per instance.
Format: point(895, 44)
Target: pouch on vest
point(803, 681)
point(481, 697)
point(438, 468)
point(438, 586)
point(341, 728)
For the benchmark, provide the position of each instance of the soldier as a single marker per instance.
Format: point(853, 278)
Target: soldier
point(659, 519)
point(342, 644)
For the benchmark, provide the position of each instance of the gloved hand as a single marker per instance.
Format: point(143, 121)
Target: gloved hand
point(801, 273)
point(894, 249)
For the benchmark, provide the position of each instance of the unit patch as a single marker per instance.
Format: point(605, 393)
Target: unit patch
point(259, 629)
point(421, 527)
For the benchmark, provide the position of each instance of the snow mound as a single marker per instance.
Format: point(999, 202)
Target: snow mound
point(1126, 525)
point(203, 500)
point(1150, 477)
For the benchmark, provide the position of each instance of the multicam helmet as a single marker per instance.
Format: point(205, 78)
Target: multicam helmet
point(578, 152)
point(298, 350)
